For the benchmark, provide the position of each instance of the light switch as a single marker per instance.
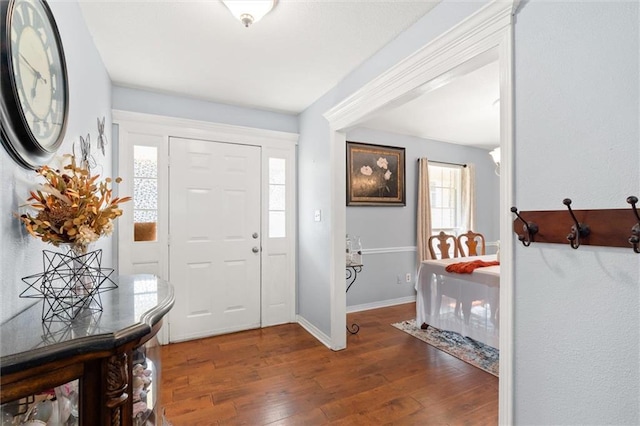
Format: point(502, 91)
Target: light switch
point(317, 215)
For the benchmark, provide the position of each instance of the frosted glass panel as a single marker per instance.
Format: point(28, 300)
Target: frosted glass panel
point(145, 161)
point(277, 225)
point(277, 170)
point(276, 197)
point(145, 193)
point(145, 216)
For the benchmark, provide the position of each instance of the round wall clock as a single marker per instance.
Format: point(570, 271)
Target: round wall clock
point(34, 92)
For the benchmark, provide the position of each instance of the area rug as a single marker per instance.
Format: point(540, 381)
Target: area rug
point(468, 350)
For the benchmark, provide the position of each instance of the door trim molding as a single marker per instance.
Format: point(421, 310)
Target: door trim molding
point(194, 129)
point(489, 28)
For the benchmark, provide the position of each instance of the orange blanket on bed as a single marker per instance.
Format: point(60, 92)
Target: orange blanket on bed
point(469, 267)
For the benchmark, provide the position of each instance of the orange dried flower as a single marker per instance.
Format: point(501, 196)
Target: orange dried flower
point(72, 207)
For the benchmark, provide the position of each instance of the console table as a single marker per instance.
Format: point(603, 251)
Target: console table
point(99, 349)
point(352, 271)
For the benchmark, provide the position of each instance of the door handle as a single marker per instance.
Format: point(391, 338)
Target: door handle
point(255, 235)
point(255, 249)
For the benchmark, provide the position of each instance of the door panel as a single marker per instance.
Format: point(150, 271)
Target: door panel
point(214, 212)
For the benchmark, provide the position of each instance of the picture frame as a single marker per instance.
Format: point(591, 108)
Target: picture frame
point(375, 175)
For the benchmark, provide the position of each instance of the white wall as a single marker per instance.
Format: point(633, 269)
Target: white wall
point(90, 98)
point(314, 147)
point(577, 135)
point(394, 226)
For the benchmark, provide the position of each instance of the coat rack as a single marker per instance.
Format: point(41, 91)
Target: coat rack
point(605, 227)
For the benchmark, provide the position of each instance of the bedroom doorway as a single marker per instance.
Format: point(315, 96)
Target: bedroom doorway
point(489, 28)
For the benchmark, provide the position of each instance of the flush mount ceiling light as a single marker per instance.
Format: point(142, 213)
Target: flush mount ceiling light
point(249, 11)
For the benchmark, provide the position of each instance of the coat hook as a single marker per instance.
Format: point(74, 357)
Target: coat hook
point(529, 227)
point(578, 230)
point(634, 240)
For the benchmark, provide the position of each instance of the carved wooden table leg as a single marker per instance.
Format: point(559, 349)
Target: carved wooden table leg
point(117, 382)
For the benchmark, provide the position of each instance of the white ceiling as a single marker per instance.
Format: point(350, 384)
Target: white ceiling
point(285, 62)
point(464, 111)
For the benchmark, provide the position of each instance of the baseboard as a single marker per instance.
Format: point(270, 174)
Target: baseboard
point(314, 331)
point(381, 304)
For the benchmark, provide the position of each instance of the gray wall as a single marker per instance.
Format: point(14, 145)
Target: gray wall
point(577, 136)
point(392, 227)
point(314, 149)
point(90, 98)
point(137, 100)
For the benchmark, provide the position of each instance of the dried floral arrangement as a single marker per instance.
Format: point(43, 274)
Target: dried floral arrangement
point(73, 207)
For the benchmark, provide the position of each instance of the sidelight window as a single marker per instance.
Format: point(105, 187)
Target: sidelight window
point(277, 198)
point(145, 192)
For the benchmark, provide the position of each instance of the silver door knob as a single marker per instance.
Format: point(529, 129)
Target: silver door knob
point(255, 235)
point(255, 249)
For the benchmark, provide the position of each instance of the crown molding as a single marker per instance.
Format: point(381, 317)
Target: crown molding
point(471, 37)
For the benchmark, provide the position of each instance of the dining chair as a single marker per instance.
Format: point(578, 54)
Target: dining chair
point(471, 244)
point(444, 244)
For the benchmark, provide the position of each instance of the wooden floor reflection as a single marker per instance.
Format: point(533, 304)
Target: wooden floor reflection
point(283, 376)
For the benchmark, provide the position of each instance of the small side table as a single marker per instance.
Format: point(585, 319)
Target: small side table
point(352, 271)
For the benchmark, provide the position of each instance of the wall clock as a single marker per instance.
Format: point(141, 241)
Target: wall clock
point(34, 92)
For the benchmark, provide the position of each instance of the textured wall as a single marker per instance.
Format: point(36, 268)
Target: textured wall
point(577, 136)
point(90, 97)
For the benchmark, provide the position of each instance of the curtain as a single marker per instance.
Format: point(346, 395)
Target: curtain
point(469, 198)
point(424, 211)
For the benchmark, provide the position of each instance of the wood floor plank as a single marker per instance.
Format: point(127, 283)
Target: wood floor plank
point(314, 416)
point(283, 376)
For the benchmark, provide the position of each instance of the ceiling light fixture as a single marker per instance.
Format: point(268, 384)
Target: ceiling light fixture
point(249, 11)
point(495, 155)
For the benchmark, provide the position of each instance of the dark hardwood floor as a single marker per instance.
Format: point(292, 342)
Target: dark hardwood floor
point(283, 376)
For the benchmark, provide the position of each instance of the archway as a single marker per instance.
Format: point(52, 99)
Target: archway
point(489, 28)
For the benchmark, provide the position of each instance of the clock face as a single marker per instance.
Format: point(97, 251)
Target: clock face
point(35, 109)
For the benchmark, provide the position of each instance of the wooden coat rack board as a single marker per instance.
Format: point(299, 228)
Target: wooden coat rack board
point(606, 227)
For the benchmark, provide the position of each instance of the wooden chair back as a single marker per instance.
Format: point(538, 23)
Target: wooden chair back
point(447, 245)
point(471, 244)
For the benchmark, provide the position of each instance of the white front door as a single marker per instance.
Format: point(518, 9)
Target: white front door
point(215, 237)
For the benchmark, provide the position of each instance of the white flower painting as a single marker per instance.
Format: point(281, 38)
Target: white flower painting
point(376, 175)
point(366, 170)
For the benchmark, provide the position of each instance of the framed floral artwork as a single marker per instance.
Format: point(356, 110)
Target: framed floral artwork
point(375, 175)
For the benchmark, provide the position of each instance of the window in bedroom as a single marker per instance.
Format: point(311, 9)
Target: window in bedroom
point(446, 198)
